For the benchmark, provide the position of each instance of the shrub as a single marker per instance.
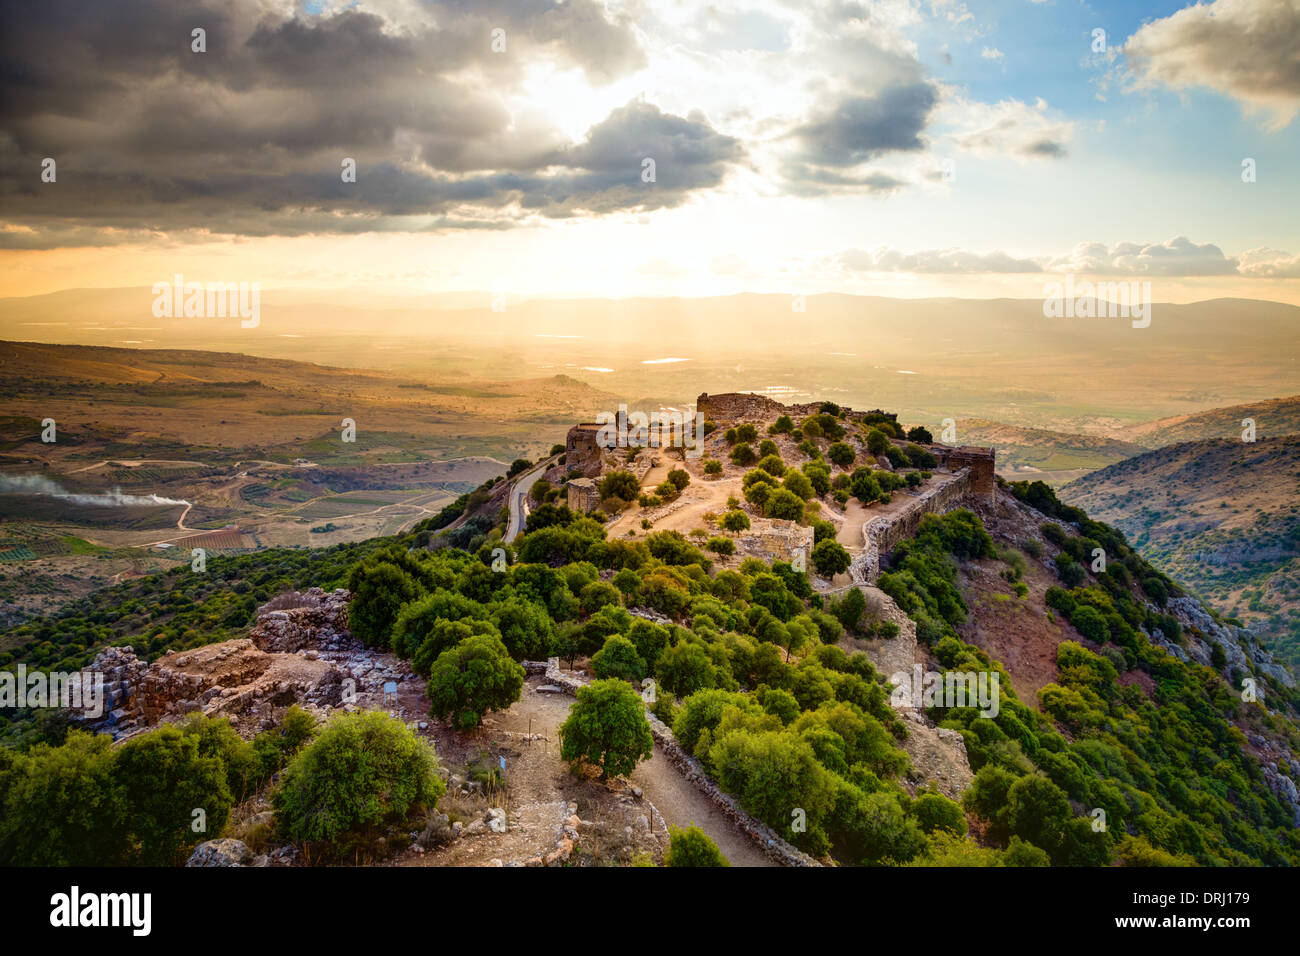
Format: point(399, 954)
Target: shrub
point(747, 433)
point(735, 521)
point(712, 466)
point(606, 727)
point(773, 465)
point(472, 678)
point(934, 811)
point(917, 433)
point(1089, 622)
point(679, 478)
point(784, 505)
point(920, 457)
point(851, 608)
point(621, 485)
point(619, 659)
point(796, 482)
point(692, 847)
point(743, 455)
point(63, 806)
point(768, 447)
point(781, 704)
point(877, 442)
point(686, 668)
point(842, 454)
point(366, 771)
point(720, 545)
point(378, 593)
point(164, 777)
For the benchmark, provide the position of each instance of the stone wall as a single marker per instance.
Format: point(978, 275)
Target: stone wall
point(739, 406)
point(882, 534)
point(735, 406)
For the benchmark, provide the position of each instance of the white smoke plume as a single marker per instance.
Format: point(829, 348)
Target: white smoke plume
point(45, 488)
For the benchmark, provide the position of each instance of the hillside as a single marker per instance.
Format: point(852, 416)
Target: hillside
point(1279, 416)
point(775, 686)
point(1221, 516)
point(1055, 456)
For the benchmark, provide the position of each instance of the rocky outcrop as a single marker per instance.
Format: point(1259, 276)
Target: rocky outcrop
point(221, 853)
point(1239, 646)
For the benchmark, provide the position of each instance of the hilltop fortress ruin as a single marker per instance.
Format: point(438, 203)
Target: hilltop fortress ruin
point(961, 475)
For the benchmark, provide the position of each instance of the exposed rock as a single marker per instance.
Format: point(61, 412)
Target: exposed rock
point(220, 853)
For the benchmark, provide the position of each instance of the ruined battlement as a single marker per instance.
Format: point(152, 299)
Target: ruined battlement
point(738, 406)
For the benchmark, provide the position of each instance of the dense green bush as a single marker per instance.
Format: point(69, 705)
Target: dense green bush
point(692, 847)
point(366, 772)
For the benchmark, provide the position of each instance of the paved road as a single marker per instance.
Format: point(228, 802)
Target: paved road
point(518, 498)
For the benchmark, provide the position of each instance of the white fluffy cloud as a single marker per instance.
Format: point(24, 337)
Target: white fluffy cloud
point(1173, 257)
point(1247, 49)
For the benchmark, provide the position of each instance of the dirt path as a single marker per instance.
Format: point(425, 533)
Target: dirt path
point(682, 805)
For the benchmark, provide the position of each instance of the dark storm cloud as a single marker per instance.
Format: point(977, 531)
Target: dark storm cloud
point(248, 137)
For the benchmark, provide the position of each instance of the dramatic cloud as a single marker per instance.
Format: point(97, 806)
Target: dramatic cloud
point(248, 137)
point(1248, 49)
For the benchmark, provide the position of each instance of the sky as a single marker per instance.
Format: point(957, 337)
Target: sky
point(617, 149)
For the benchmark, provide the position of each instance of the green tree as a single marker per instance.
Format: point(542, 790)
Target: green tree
point(830, 558)
point(692, 847)
point(606, 727)
point(618, 659)
point(63, 806)
point(851, 609)
point(378, 593)
point(468, 680)
point(621, 485)
point(1038, 811)
point(165, 779)
point(842, 454)
point(877, 441)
